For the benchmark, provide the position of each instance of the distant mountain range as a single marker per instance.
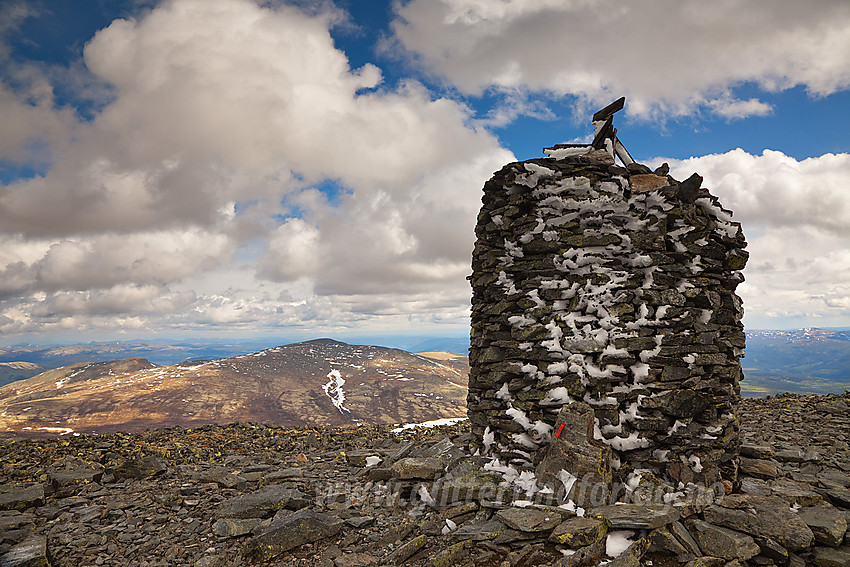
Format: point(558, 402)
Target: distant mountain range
point(804, 361)
point(319, 382)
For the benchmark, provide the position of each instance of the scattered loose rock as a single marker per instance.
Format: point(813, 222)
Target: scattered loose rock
point(303, 503)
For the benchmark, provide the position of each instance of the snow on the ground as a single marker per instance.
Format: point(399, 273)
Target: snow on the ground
point(333, 389)
point(429, 424)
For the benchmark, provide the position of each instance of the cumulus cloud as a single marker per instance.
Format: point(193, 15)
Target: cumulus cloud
point(794, 216)
point(237, 138)
point(665, 55)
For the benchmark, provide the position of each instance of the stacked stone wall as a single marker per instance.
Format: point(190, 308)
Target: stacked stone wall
point(612, 287)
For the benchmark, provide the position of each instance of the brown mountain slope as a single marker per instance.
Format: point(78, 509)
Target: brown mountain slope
point(320, 382)
point(11, 371)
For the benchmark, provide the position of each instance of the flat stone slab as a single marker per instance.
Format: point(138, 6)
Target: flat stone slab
point(232, 527)
point(722, 542)
point(827, 523)
point(532, 519)
point(636, 516)
point(60, 479)
point(32, 552)
point(795, 492)
point(579, 532)
point(830, 557)
point(839, 496)
point(14, 498)
point(263, 503)
point(303, 526)
point(467, 482)
point(425, 468)
point(480, 531)
point(762, 516)
point(831, 478)
point(757, 451)
point(759, 468)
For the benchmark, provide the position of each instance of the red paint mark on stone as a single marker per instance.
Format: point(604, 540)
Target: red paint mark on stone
point(558, 434)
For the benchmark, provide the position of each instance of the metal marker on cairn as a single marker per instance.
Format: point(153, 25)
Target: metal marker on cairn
point(606, 332)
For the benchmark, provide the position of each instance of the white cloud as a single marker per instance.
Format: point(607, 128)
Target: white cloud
point(794, 214)
point(670, 55)
point(102, 261)
point(227, 120)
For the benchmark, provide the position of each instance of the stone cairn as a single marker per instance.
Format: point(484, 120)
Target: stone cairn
point(606, 332)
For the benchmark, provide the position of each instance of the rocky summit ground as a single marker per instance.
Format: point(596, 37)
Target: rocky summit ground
point(247, 494)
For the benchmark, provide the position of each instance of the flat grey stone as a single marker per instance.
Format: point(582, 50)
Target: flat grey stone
point(755, 486)
point(718, 541)
point(790, 455)
point(636, 516)
point(425, 468)
point(284, 474)
point(830, 557)
point(831, 478)
point(579, 532)
point(143, 467)
point(61, 479)
point(839, 496)
point(480, 531)
point(827, 523)
point(793, 492)
point(532, 519)
point(263, 503)
point(406, 551)
point(14, 498)
point(467, 482)
point(758, 468)
point(762, 516)
point(232, 527)
point(222, 476)
point(32, 552)
point(757, 451)
point(303, 526)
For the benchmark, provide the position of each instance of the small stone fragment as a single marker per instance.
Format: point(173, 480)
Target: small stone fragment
point(407, 550)
point(230, 527)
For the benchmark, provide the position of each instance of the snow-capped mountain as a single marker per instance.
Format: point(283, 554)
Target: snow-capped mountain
point(319, 382)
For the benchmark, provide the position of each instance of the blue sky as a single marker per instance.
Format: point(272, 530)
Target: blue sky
point(239, 167)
